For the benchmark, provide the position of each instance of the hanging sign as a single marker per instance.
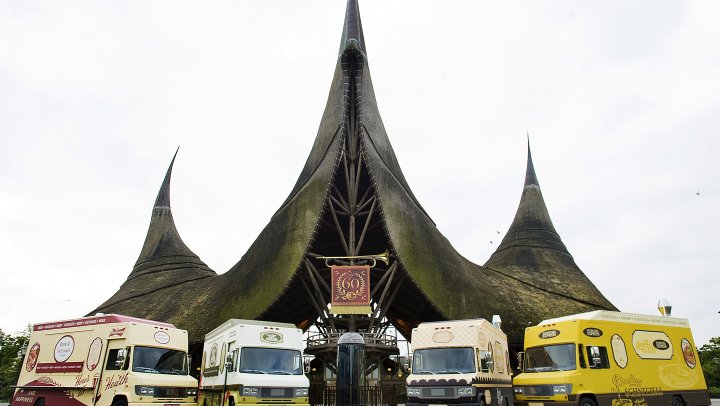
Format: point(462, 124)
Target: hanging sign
point(350, 289)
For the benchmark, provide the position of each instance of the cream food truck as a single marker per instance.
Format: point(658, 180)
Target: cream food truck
point(106, 360)
point(249, 361)
point(463, 361)
point(605, 358)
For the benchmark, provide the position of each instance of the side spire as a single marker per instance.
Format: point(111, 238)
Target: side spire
point(533, 252)
point(164, 262)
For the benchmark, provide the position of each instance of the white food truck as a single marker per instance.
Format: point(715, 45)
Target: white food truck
point(462, 361)
point(106, 360)
point(249, 361)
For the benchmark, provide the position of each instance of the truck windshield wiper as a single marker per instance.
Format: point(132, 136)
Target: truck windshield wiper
point(146, 369)
point(253, 371)
point(541, 369)
point(426, 372)
point(280, 373)
point(450, 371)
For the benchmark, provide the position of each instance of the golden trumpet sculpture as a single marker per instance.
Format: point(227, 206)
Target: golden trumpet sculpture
point(384, 257)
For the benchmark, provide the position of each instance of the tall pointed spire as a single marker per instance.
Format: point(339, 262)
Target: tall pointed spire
point(164, 261)
point(533, 252)
point(532, 224)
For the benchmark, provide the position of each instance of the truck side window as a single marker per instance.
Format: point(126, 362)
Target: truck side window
point(582, 356)
point(597, 357)
point(112, 360)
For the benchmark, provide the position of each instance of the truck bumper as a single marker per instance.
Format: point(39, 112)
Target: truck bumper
point(541, 403)
point(425, 402)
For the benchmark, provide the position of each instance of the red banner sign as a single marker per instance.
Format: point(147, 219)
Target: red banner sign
point(57, 367)
point(350, 285)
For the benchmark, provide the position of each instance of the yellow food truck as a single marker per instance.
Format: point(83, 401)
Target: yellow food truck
point(605, 358)
point(106, 360)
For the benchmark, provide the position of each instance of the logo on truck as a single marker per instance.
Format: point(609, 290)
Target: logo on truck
point(549, 334)
point(271, 337)
point(162, 337)
point(593, 332)
point(443, 337)
point(64, 348)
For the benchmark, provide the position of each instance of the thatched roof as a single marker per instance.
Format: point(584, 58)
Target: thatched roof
point(530, 278)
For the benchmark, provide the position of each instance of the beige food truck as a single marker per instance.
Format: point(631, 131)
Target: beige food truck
point(106, 360)
point(462, 361)
point(250, 361)
point(605, 358)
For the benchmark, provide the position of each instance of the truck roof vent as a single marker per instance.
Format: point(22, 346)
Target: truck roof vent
point(496, 321)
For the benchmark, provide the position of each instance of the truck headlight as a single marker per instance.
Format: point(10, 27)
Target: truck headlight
point(301, 392)
point(465, 391)
point(144, 390)
point(562, 389)
point(191, 392)
point(518, 389)
point(413, 391)
point(250, 391)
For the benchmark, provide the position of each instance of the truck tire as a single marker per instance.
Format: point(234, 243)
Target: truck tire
point(677, 401)
point(586, 401)
point(40, 402)
point(120, 402)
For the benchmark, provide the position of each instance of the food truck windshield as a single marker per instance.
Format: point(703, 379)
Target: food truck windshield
point(443, 361)
point(271, 361)
point(159, 361)
point(559, 357)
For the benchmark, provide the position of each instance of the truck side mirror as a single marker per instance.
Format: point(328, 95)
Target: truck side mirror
point(596, 360)
point(520, 359)
point(229, 362)
point(489, 360)
point(121, 359)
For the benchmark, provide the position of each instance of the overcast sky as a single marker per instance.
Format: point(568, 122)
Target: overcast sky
point(621, 101)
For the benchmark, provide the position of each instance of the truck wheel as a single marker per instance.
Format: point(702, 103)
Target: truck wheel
point(585, 401)
point(231, 402)
point(41, 402)
point(677, 401)
point(119, 402)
